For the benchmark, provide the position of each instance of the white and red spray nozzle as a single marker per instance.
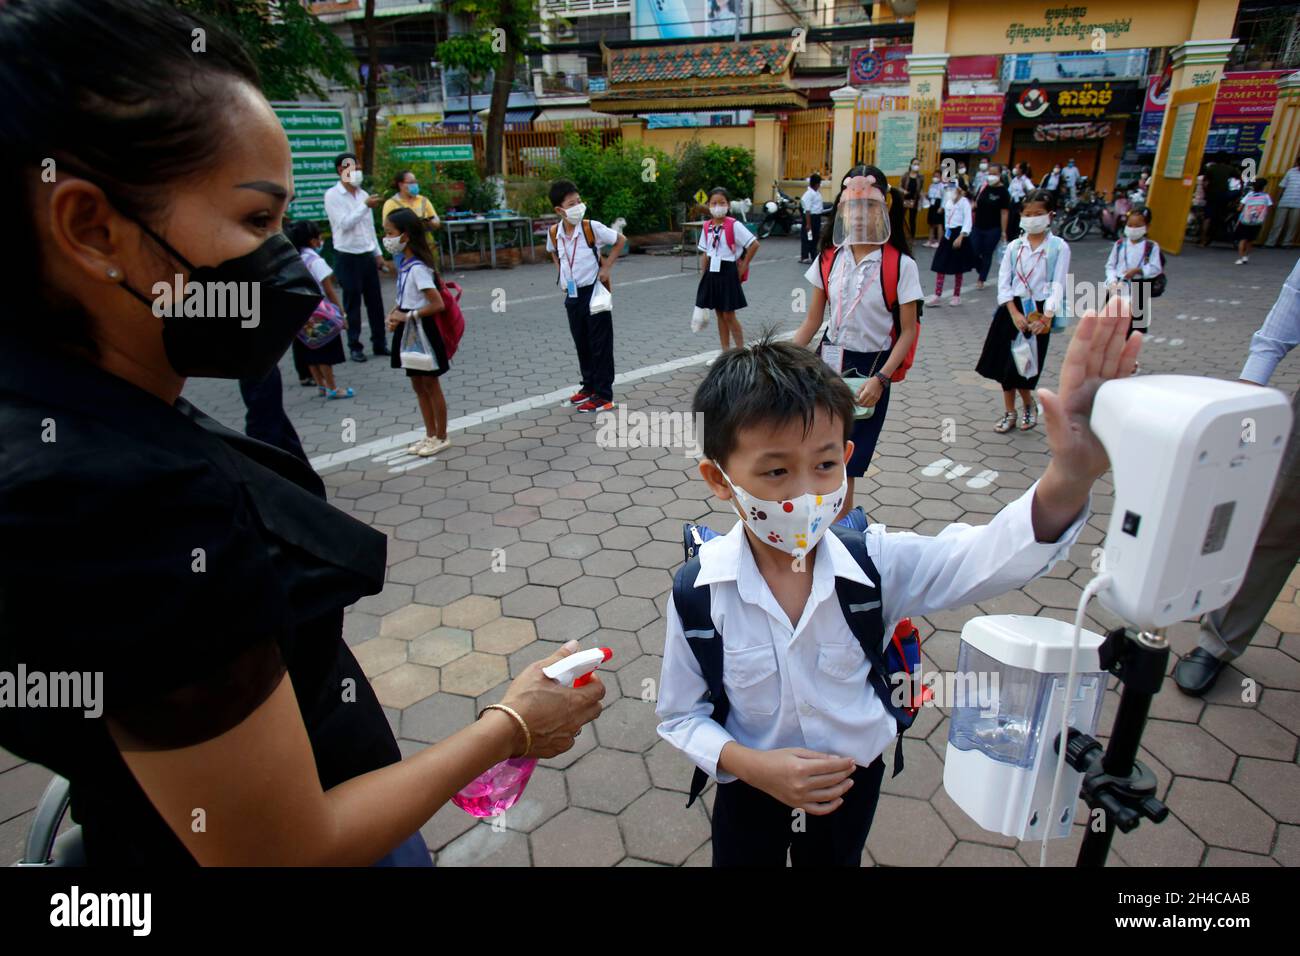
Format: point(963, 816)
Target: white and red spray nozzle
point(576, 669)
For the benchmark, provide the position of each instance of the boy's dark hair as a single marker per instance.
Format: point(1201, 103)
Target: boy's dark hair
point(561, 189)
point(302, 232)
point(719, 191)
point(1259, 185)
point(417, 235)
point(1046, 197)
point(1143, 211)
point(338, 161)
point(771, 383)
point(815, 180)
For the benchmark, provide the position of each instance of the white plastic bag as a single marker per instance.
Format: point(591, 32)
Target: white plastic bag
point(416, 352)
point(700, 318)
point(601, 300)
point(1024, 351)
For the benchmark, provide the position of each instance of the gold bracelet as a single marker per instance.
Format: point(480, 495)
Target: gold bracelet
point(528, 736)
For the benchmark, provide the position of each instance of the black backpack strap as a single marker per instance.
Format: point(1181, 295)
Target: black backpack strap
point(861, 607)
point(693, 607)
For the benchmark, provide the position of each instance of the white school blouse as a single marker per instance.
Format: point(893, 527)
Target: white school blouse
point(713, 242)
point(1128, 255)
point(804, 683)
point(957, 216)
point(1021, 263)
point(869, 326)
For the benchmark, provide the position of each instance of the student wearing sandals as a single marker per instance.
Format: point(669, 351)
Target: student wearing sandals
point(319, 362)
point(1032, 290)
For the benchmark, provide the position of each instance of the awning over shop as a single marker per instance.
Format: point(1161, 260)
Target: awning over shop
point(700, 77)
point(559, 115)
point(458, 120)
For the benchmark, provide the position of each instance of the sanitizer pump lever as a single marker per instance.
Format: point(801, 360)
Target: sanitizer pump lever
point(497, 790)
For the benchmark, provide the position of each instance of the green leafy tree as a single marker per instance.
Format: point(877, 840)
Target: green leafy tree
point(291, 48)
point(628, 180)
point(500, 42)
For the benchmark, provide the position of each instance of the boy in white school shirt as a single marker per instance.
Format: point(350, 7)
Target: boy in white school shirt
point(574, 245)
point(804, 729)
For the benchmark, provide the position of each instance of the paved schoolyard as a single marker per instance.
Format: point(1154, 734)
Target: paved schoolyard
point(527, 533)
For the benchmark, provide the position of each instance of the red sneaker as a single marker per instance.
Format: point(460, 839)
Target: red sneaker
point(578, 397)
point(596, 405)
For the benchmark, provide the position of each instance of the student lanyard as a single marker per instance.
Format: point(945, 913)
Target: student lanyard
point(402, 275)
point(573, 251)
point(869, 274)
point(717, 239)
point(1024, 277)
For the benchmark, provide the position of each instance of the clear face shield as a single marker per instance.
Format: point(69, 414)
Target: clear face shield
point(862, 214)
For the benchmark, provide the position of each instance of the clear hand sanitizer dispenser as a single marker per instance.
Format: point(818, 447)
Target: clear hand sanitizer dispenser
point(1001, 754)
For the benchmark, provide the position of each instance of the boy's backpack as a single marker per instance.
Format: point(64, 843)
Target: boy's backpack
point(861, 607)
point(1158, 282)
point(890, 259)
point(590, 235)
point(1055, 244)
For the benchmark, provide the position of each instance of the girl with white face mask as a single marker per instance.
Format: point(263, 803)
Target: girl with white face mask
point(1032, 290)
point(955, 255)
point(934, 212)
point(1134, 260)
point(726, 249)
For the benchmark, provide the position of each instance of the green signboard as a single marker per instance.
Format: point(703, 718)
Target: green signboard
point(1180, 138)
point(895, 141)
point(317, 133)
point(445, 153)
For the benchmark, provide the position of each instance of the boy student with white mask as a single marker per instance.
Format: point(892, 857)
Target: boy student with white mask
point(1032, 290)
point(866, 287)
point(726, 249)
point(574, 245)
point(955, 255)
point(773, 679)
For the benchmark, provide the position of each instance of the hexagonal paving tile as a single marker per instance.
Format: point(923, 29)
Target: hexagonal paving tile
point(578, 837)
point(907, 832)
point(658, 827)
point(1273, 784)
point(474, 674)
point(378, 655)
point(410, 622)
point(1219, 815)
point(530, 601)
point(440, 646)
point(628, 725)
point(588, 592)
point(471, 612)
point(627, 613)
point(486, 845)
point(566, 623)
point(437, 717)
point(504, 635)
point(607, 780)
point(405, 684)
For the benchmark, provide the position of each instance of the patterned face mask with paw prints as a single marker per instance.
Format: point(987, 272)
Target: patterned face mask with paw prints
point(793, 525)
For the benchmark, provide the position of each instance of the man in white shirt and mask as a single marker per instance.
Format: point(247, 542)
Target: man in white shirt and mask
point(357, 258)
point(813, 206)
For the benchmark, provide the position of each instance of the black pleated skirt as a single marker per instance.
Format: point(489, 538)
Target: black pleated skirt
point(721, 290)
point(995, 360)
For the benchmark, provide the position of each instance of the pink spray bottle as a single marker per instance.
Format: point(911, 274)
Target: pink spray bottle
point(497, 790)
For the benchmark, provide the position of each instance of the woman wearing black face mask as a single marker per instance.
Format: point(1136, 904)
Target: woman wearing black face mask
point(199, 573)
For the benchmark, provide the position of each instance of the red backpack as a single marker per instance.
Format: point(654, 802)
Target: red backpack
point(729, 233)
point(449, 319)
point(890, 259)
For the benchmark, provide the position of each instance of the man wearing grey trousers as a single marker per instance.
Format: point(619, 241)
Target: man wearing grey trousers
point(1227, 632)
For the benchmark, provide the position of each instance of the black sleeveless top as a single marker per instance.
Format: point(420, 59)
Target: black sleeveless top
point(190, 566)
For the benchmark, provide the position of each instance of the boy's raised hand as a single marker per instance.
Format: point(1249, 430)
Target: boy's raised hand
point(1097, 353)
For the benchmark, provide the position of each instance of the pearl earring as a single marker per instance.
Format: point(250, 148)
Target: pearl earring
point(114, 274)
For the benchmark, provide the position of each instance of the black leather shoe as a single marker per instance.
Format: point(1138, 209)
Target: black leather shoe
point(382, 351)
point(1197, 672)
point(359, 357)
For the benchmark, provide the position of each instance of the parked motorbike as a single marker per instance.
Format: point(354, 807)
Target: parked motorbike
point(781, 215)
point(1080, 220)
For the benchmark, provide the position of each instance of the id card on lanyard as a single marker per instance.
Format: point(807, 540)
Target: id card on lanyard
point(571, 288)
point(715, 257)
point(833, 355)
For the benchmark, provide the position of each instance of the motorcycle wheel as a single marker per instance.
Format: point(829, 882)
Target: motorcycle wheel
point(1075, 228)
point(764, 229)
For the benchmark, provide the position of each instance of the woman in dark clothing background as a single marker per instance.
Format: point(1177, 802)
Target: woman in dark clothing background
point(200, 572)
